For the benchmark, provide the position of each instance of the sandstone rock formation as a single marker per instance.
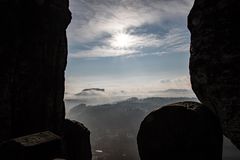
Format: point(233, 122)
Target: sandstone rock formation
point(186, 130)
point(33, 51)
point(214, 62)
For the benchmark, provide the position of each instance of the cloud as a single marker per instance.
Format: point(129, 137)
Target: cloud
point(94, 97)
point(92, 18)
point(183, 81)
point(174, 41)
point(97, 22)
point(102, 51)
point(176, 92)
point(129, 85)
point(121, 89)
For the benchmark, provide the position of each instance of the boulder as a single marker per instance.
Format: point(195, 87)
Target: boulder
point(215, 58)
point(185, 130)
point(76, 141)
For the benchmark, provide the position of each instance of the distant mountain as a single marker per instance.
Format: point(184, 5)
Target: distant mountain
point(94, 96)
point(90, 91)
point(177, 90)
point(94, 89)
point(99, 96)
point(114, 126)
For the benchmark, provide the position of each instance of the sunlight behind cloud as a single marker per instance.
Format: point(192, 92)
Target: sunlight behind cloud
point(133, 45)
point(112, 28)
point(122, 40)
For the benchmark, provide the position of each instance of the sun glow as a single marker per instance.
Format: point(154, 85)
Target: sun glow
point(121, 40)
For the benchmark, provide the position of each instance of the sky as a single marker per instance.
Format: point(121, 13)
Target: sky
point(137, 47)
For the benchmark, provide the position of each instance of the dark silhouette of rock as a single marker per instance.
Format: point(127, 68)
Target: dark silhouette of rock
point(38, 146)
point(76, 141)
point(33, 51)
point(186, 130)
point(214, 62)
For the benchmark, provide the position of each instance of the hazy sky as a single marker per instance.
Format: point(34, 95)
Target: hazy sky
point(130, 45)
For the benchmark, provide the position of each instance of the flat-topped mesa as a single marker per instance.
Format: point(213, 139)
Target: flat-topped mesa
point(33, 51)
point(215, 58)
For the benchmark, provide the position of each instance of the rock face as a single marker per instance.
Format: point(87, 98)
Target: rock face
point(33, 51)
point(186, 130)
point(214, 62)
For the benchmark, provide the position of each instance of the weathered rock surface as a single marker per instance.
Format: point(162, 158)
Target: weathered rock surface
point(186, 130)
point(33, 54)
point(215, 58)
